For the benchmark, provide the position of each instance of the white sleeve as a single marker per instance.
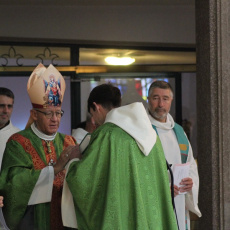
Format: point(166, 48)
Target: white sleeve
point(191, 198)
point(42, 191)
point(67, 204)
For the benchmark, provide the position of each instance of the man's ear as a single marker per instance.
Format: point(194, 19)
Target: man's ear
point(97, 106)
point(33, 114)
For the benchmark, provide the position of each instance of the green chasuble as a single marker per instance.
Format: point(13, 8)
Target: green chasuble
point(116, 187)
point(24, 158)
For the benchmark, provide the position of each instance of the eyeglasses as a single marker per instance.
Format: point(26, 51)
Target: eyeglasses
point(50, 114)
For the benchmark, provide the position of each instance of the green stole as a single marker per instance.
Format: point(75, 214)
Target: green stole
point(182, 141)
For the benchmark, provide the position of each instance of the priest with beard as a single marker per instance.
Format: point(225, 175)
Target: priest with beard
point(177, 150)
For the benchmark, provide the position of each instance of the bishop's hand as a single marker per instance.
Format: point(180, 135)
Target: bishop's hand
point(72, 151)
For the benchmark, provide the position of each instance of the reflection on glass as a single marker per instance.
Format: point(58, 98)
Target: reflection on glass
point(96, 56)
point(133, 89)
point(135, 85)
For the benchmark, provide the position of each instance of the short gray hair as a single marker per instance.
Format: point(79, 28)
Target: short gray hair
point(161, 85)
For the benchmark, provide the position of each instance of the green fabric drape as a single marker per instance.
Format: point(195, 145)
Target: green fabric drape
point(116, 187)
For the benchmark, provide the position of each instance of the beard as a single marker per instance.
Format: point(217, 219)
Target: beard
point(155, 113)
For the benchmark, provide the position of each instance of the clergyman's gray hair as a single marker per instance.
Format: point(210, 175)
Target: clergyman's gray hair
point(161, 85)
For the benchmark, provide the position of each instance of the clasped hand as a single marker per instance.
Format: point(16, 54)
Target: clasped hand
point(72, 151)
point(186, 183)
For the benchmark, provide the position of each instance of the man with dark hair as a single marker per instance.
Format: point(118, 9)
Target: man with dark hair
point(6, 126)
point(106, 95)
point(121, 181)
point(177, 150)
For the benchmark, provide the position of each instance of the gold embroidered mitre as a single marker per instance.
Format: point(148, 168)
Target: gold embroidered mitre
point(46, 87)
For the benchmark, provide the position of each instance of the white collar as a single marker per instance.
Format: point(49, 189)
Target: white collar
point(42, 135)
point(9, 126)
point(133, 119)
point(169, 124)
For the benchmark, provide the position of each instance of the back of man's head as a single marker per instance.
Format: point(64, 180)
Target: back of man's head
point(106, 95)
point(161, 85)
point(6, 92)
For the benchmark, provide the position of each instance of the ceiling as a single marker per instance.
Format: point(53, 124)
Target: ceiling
point(142, 57)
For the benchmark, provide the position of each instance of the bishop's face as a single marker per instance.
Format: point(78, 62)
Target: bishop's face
point(48, 120)
point(159, 102)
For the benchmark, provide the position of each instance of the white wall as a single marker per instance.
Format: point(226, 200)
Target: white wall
point(161, 24)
